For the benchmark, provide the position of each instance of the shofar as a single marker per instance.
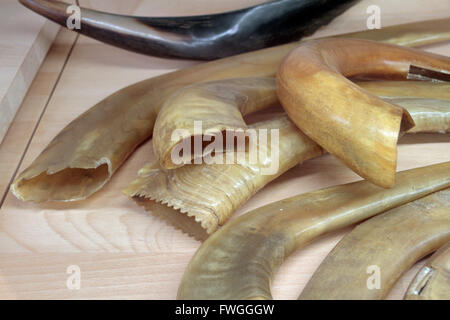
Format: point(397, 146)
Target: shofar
point(432, 282)
point(219, 106)
point(200, 37)
point(360, 129)
point(85, 154)
point(369, 260)
point(238, 261)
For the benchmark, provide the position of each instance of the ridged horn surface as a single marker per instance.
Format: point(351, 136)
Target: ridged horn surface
point(204, 37)
point(208, 194)
point(87, 152)
point(238, 261)
point(217, 106)
point(432, 282)
point(358, 128)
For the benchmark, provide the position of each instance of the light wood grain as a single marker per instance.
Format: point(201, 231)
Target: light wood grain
point(122, 251)
point(21, 130)
point(24, 41)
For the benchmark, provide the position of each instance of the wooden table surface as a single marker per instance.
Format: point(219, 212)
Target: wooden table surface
point(25, 39)
point(122, 251)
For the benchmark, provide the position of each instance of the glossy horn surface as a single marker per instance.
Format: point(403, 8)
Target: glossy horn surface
point(87, 152)
point(370, 259)
point(204, 37)
point(238, 261)
point(358, 128)
point(432, 282)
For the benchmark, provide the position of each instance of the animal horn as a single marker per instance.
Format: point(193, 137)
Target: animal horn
point(203, 37)
point(358, 128)
point(238, 261)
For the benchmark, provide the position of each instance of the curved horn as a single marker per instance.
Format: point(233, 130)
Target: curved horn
point(238, 261)
point(313, 89)
point(84, 156)
point(219, 106)
point(389, 243)
point(203, 37)
point(432, 282)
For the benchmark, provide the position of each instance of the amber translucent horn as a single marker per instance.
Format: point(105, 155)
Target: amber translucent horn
point(432, 282)
point(216, 107)
point(238, 261)
point(358, 128)
point(369, 260)
point(84, 156)
point(198, 199)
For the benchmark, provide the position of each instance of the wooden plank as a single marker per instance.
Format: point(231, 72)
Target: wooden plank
point(24, 42)
point(21, 130)
point(122, 251)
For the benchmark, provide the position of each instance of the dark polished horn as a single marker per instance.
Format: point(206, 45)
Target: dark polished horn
point(203, 37)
